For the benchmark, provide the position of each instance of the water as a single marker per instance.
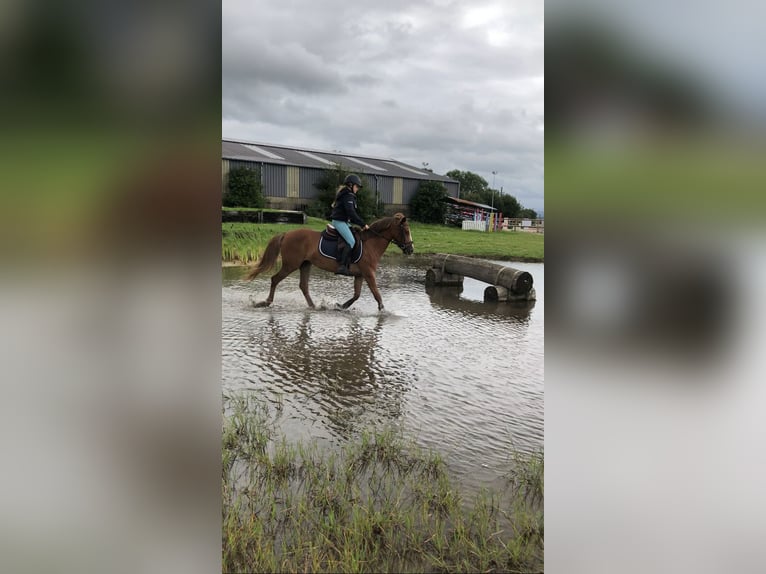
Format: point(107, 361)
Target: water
point(458, 375)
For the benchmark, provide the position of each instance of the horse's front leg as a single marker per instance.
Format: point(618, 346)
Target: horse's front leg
point(357, 292)
point(373, 284)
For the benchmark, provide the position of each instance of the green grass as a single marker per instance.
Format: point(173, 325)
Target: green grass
point(244, 242)
point(377, 504)
point(501, 245)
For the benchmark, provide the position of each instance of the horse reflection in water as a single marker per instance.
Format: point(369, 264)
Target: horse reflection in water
point(299, 249)
point(341, 369)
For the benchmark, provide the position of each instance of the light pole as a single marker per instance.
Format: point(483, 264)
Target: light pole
point(492, 201)
point(494, 173)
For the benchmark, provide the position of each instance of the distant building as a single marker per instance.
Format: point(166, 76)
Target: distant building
point(288, 174)
point(459, 210)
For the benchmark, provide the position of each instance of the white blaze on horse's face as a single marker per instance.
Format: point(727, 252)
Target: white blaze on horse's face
point(409, 245)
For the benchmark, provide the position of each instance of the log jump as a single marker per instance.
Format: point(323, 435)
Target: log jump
point(505, 283)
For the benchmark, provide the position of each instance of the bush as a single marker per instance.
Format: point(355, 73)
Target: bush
point(243, 189)
point(427, 205)
point(369, 209)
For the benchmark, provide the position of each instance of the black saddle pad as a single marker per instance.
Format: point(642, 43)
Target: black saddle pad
point(328, 245)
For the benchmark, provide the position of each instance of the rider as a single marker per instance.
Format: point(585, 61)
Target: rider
point(344, 210)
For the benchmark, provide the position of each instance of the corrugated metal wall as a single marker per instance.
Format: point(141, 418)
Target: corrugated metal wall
point(308, 177)
point(274, 180)
point(294, 182)
point(224, 173)
point(397, 192)
point(233, 163)
point(452, 188)
point(409, 187)
point(385, 188)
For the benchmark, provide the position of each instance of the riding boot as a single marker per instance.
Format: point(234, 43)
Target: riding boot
point(344, 254)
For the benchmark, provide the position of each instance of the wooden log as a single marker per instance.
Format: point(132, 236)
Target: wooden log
point(517, 281)
point(497, 293)
point(435, 277)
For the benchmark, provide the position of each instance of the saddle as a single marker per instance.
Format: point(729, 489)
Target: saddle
point(328, 243)
point(330, 233)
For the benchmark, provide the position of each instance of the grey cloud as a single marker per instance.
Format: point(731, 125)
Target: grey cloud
point(394, 79)
point(290, 66)
point(361, 80)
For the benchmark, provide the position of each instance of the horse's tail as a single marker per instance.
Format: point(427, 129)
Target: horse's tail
point(269, 257)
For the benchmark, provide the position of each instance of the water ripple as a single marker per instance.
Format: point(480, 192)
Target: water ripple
point(461, 376)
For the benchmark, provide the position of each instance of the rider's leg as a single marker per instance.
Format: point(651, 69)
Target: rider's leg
point(344, 251)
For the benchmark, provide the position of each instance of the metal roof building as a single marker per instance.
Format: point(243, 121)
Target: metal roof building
point(288, 174)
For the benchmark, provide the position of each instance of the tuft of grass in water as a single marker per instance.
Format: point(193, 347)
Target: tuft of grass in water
point(526, 477)
point(377, 504)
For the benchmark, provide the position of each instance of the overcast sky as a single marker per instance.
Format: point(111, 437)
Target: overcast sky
point(457, 85)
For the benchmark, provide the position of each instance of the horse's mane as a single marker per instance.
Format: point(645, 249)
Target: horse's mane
point(381, 224)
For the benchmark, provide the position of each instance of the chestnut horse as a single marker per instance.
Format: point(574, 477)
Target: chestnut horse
point(300, 249)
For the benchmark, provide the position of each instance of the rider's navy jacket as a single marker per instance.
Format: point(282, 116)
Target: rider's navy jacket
point(345, 208)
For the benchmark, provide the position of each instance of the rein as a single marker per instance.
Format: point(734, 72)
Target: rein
point(400, 244)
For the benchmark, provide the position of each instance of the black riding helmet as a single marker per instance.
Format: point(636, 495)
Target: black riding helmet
point(352, 179)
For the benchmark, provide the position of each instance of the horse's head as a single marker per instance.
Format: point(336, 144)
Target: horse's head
point(394, 229)
point(404, 239)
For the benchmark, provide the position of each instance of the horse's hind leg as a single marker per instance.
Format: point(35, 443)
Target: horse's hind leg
point(357, 291)
point(275, 280)
point(305, 272)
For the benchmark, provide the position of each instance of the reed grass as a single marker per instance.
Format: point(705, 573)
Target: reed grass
point(244, 242)
point(377, 504)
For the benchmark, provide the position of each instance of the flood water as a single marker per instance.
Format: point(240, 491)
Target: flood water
point(458, 375)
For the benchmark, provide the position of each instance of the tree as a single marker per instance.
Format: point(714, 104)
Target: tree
point(243, 188)
point(327, 187)
point(470, 183)
point(369, 208)
point(527, 213)
point(508, 205)
point(427, 204)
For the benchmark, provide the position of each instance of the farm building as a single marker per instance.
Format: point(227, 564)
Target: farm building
point(459, 210)
point(288, 174)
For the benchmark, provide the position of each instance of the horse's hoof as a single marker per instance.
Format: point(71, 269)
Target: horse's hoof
point(261, 304)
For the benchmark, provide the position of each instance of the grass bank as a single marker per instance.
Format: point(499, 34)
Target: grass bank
point(379, 504)
point(244, 242)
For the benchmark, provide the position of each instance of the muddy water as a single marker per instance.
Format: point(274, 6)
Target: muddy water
point(458, 375)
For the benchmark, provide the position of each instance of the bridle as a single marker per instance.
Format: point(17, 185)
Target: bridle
point(401, 243)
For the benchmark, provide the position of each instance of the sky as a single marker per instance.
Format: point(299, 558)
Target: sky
point(450, 84)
